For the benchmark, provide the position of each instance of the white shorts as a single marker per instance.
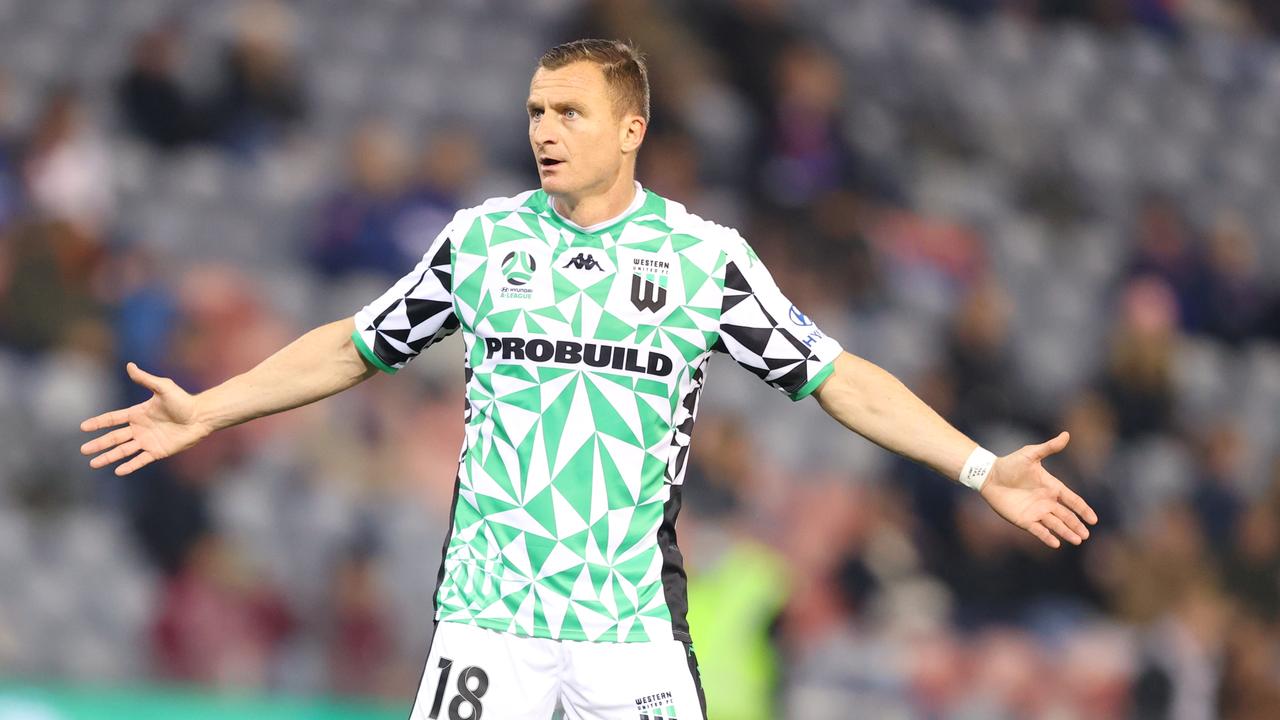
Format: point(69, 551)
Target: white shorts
point(473, 672)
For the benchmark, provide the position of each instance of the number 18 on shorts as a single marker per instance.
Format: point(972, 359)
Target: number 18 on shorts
point(475, 673)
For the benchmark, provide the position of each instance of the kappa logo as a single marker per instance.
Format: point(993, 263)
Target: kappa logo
point(518, 267)
point(583, 261)
point(649, 283)
point(658, 706)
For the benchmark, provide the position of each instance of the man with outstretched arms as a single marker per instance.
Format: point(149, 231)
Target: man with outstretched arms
point(589, 309)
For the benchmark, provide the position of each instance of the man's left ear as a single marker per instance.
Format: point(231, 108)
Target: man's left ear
point(632, 133)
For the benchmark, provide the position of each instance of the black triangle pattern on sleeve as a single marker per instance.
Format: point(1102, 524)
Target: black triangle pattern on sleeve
point(750, 333)
point(420, 317)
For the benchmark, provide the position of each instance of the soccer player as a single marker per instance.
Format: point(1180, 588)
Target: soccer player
point(589, 309)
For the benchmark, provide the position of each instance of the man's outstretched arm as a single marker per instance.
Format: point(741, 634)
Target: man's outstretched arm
point(873, 403)
point(321, 363)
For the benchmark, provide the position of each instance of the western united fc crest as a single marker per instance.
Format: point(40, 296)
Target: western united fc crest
point(658, 706)
point(649, 278)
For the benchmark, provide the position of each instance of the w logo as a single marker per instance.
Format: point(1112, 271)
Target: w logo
point(583, 262)
point(648, 294)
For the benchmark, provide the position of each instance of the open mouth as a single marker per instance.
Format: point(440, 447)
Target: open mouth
point(549, 162)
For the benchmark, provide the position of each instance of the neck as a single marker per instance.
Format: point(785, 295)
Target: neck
point(587, 210)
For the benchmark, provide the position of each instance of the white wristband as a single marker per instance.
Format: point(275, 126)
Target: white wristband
point(977, 467)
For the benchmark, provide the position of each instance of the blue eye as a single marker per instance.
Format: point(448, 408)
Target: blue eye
point(571, 113)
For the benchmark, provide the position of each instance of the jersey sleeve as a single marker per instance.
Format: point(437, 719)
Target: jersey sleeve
point(765, 333)
point(414, 313)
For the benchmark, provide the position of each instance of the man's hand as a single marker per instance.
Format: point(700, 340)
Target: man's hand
point(1025, 494)
point(162, 426)
point(322, 362)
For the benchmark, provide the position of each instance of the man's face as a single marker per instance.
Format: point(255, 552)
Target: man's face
point(579, 138)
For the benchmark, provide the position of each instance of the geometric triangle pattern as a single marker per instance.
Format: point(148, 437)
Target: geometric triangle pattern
point(586, 351)
point(768, 335)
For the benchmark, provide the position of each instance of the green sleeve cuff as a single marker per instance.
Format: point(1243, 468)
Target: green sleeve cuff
point(807, 389)
point(370, 355)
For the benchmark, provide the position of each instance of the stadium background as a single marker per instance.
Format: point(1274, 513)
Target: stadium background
point(1040, 214)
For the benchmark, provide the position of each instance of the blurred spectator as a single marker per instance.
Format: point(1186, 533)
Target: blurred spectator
point(360, 219)
point(925, 257)
point(1089, 464)
point(1217, 497)
point(669, 167)
point(68, 380)
point(1095, 662)
point(449, 164)
point(1183, 655)
point(260, 96)
point(1009, 671)
point(10, 162)
point(1235, 296)
point(152, 101)
point(738, 584)
point(168, 513)
point(1138, 377)
point(839, 247)
point(1155, 15)
point(218, 623)
point(45, 291)
point(1270, 322)
point(976, 9)
point(1166, 249)
point(803, 153)
point(362, 640)
point(1250, 680)
point(737, 589)
point(720, 472)
point(69, 172)
point(979, 350)
point(826, 530)
point(749, 35)
point(1252, 567)
point(226, 326)
point(988, 569)
point(146, 314)
point(1265, 15)
point(1153, 575)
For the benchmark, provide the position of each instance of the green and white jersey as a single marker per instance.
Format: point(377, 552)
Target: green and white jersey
point(586, 350)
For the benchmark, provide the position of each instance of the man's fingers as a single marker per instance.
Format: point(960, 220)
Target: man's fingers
point(1051, 447)
point(116, 453)
point(145, 379)
point(111, 439)
point(105, 420)
point(1072, 522)
point(1078, 505)
point(1044, 535)
point(1060, 529)
point(142, 459)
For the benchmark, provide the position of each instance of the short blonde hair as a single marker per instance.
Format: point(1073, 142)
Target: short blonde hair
point(623, 67)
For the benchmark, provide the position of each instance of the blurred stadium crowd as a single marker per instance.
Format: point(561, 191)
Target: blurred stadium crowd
point(1039, 214)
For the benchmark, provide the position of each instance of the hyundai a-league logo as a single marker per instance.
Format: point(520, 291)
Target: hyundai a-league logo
point(518, 267)
point(800, 318)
